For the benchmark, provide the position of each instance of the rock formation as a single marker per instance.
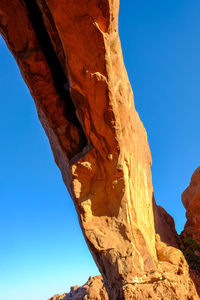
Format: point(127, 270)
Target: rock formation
point(191, 202)
point(191, 233)
point(93, 289)
point(165, 226)
point(70, 57)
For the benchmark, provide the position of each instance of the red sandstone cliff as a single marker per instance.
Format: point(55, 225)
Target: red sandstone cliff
point(70, 57)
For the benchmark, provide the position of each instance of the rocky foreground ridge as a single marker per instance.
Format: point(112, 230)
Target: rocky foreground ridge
point(187, 242)
point(70, 58)
point(92, 289)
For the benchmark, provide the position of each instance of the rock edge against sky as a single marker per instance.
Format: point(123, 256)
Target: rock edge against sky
point(70, 58)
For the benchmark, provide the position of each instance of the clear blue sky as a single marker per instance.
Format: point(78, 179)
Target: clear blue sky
point(42, 250)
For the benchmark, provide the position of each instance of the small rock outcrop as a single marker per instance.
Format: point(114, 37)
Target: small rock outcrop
point(93, 289)
point(191, 233)
point(191, 202)
point(165, 226)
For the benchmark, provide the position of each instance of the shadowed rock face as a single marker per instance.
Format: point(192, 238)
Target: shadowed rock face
point(191, 202)
point(70, 57)
point(165, 226)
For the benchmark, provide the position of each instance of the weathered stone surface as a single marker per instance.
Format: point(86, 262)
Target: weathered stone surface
point(165, 226)
point(157, 289)
point(70, 57)
point(191, 232)
point(191, 202)
point(93, 289)
point(196, 279)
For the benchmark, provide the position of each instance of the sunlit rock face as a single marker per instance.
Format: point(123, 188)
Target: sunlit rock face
point(92, 289)
point(70, 57)
point(191, 202)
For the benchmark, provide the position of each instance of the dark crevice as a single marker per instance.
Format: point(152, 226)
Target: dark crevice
point(61, 82)
point(53, 32)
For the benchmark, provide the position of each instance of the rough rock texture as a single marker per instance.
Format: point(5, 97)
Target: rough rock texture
point(70, 57)
point(196, 279)
point(165, 226)
point(93, 289)
point(191, 202)
point(191, 233)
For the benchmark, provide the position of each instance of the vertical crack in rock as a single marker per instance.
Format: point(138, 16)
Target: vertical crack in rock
point(61, 82)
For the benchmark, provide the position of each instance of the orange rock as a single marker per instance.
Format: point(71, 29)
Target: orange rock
point(196, 280)
point(191, 202)
point(93, 289)
point(71, 59)
point(165, 226)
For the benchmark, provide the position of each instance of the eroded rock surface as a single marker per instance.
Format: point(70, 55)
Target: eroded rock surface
point(93, 289)
point(191, 202)
point(165, 226)
point(70, 57)
point(191, 233)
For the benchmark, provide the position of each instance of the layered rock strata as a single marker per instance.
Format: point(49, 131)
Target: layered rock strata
point(70, 57)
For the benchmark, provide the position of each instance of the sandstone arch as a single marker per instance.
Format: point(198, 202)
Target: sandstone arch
point(86, 108)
